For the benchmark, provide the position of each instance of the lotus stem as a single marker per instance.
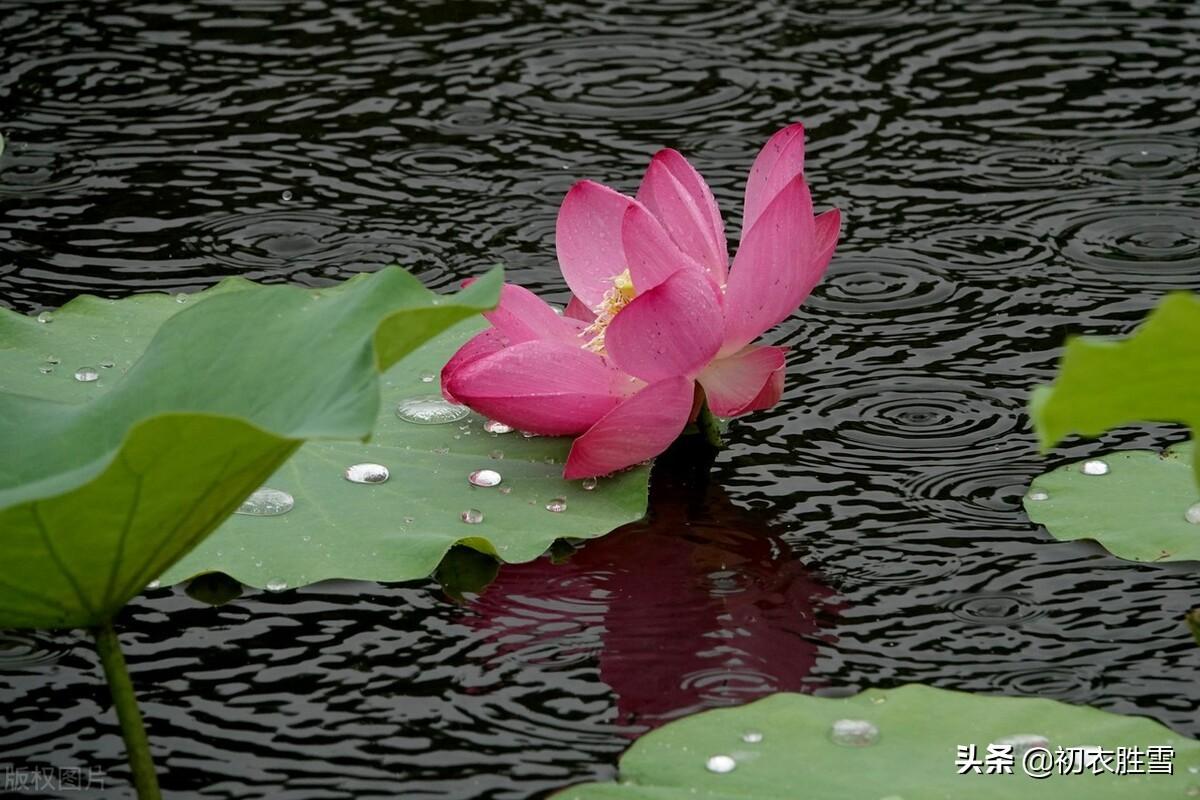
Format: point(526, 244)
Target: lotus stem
point(710, 427)
point(132, 730)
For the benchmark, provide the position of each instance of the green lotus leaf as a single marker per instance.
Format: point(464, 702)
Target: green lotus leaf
point(782, 748)
point(1134, 502)
point(130, 429)
point(401, 529)
point(1151, 376)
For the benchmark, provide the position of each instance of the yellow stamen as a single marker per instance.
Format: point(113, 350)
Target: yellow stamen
point(614, 300)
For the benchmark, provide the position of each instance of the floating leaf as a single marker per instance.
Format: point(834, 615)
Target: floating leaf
point(900, 743)
point(1136, 503)
point(1151, 376)
point(401, 528)
point(99, 497)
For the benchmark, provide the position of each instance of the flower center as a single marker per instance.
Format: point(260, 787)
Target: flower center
point(614, 300)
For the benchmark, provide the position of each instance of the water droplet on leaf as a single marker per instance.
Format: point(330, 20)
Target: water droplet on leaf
point(45, 317)
point(87, 374)
point(484, 477)
point(427, 377)
point(720, 764)
point(367, 473)
point(1022, 743)
point(1192, 515)
point(266, 502)
point(276, 585)
point(854, 732)
point(557, 505)
point(472, 516)
point(496, 426)
point(752, 737)
point(1038, 495)
point(590, 484)
point(107, 364)
point(1094, 467)
point(431, 410)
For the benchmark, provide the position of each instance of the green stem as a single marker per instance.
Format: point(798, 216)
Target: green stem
point(132, 730)
point(710, 427)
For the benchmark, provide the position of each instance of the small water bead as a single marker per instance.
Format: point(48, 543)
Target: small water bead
point(1192, 515)
point(87, 374)
point(528, 435)
point(496, 454)
point(485, 478)
point(752, 737)
point(46, 368)
point(286, 196)
point(1038, 495)
point(107, 364)
point(427, 377)
point(589, 484)
point(496, 426)
point(266, 502)
point(472, 516)
point(181, 298)
point(720, 764)
point(276, 585)
point(557, 505)
point(431, 410)
point(505, 489)
point(154, 584)
point(854, 732)
point(1094, 467)
point(45, 317)
point(55, 360)
point(1022, 743)
point(367, 473)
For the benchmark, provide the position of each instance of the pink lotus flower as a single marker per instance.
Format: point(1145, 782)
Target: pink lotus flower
point(656, 311)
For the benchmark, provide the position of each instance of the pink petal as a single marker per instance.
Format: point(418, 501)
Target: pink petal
point(775, 267)
point(772, 390)
point(588, 238)
point(649, 251)
point(733, 383)
point(827, 229)
point(481, 345)
point(673, 329)
point(674, 192)
point(639, 428)
point(551, 388)
point(577, 309)
point(780, 160)
point(523, 316)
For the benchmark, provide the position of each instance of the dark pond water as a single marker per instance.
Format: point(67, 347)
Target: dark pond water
point(1008, 172)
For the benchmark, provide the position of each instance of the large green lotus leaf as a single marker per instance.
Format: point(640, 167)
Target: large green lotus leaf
point(105, 483)
point(1137, 508)
point(1151, 376)
point(919, 731)
point(401, 529)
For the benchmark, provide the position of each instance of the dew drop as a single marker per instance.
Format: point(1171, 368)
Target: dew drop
point(431, 410)
point(484, 477)
point(154, 584)
point(496, 454)
point(181, 298)
point(55, 360)
point(1038, 495)
point(107, 363)
point(529, 435)
point(367, 473)
point(286, 196)
point(1094, 467)
point(258, 564)
point(854, 732)
point(557, 505)
point(720, 764)
point(276, 585)
point(427, 377)
point(505, 489)
point(752, 737)
point(496, 426)
point(266, 502)
point(46, 368)
point(1192, 515)
point(45, 317)
point(472, 516)
point(87, 374)
point(589, 484)
point(1022, 743)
